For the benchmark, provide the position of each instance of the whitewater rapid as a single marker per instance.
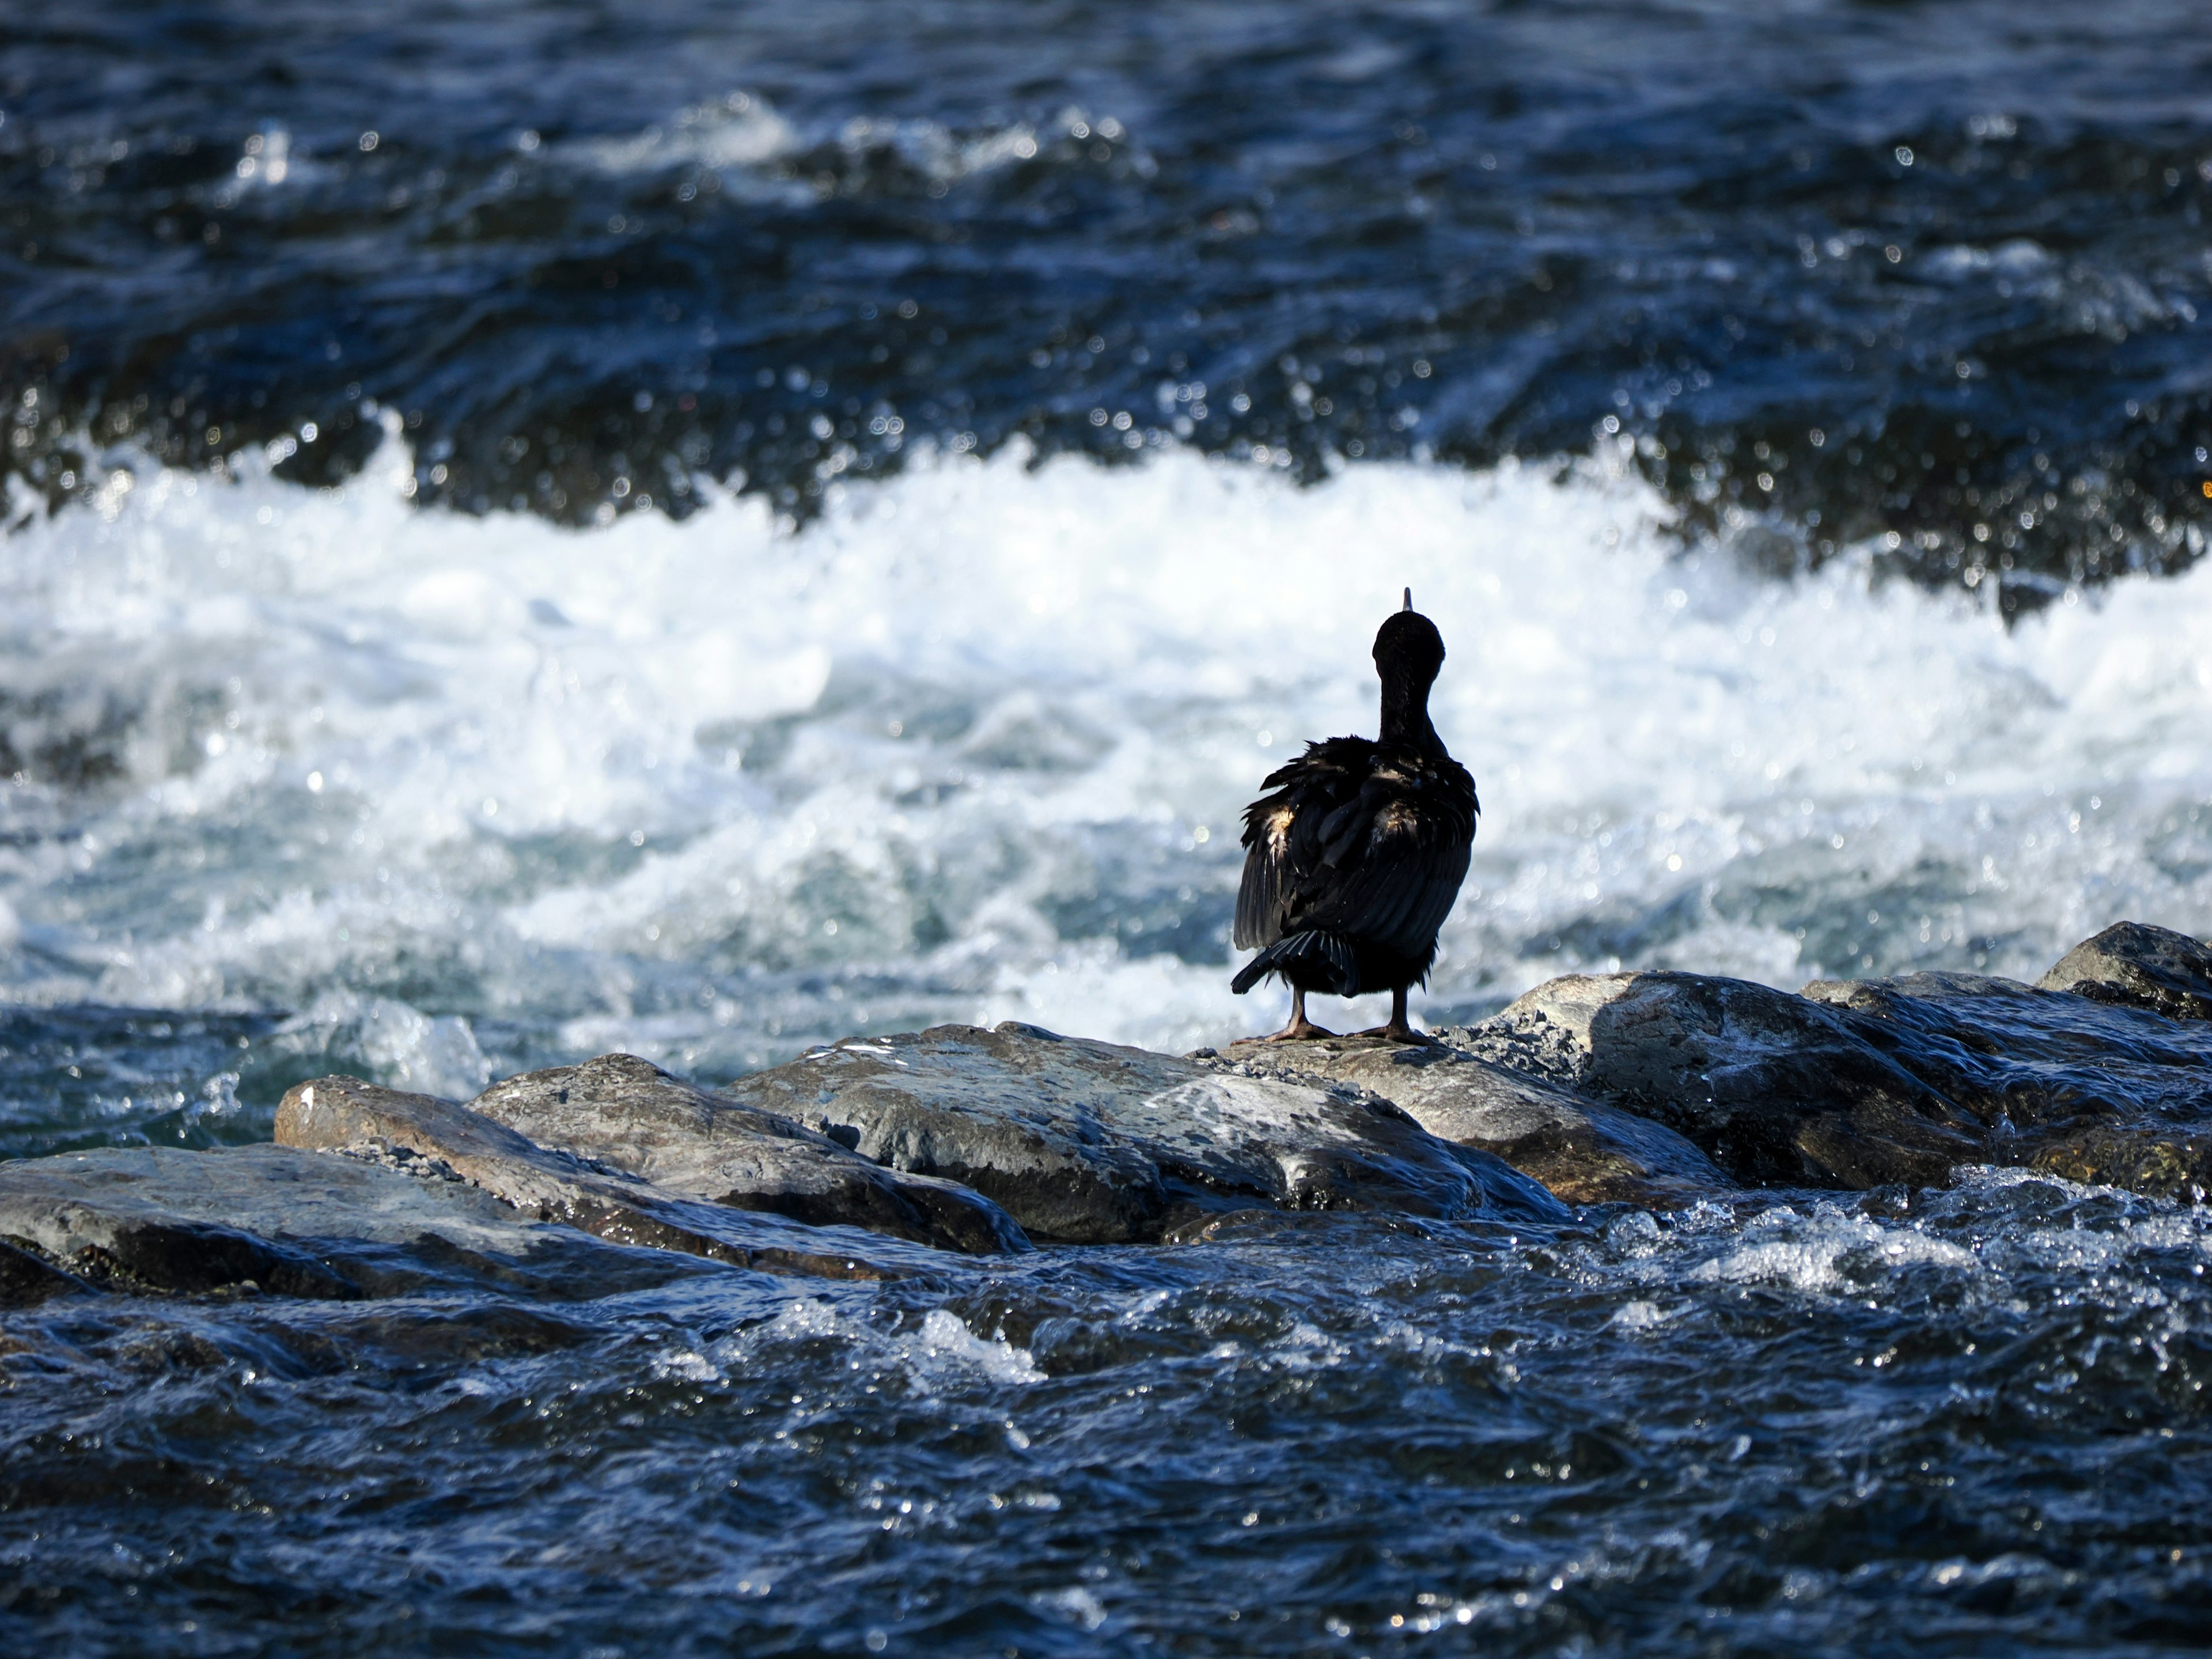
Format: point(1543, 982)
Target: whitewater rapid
point(484, 789)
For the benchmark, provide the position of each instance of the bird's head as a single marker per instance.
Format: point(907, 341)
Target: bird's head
point(1408, 646)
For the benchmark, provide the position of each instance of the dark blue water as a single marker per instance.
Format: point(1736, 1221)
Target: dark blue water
point(1929, 271)
point(360, 708)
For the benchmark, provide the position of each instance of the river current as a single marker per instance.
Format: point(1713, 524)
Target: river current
point(535, 529)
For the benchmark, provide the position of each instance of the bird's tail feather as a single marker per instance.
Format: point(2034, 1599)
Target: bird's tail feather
point(1330, 951)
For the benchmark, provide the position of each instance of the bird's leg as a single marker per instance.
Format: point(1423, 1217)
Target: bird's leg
point(1300, 1027)
point(1400, 1029)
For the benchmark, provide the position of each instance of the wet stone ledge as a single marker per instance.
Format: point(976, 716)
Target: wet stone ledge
point(902, 1156)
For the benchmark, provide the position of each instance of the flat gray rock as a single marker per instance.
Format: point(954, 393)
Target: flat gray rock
point(344, 1115)
point(2135, 965)
point(627, 1115)
point(1585, 1151)
point(281, 1222)
point(1091, 1143)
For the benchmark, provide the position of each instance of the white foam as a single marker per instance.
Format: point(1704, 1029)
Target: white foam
point(1826, 1252)
point(740, 132)
point(643, 783)
point(940, 1355)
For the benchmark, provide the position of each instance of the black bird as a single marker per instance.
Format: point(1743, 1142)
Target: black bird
point(1352, 862)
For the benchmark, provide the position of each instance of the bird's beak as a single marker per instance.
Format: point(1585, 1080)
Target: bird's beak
point(1409, 600)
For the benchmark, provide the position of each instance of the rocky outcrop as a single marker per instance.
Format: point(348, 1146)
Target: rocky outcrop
point(627, 1115)
point(1585, 1151)
point(270, 1220)
point(2096, 1090)
point(2137, 966)
point(1777, 1090)
point(344, 1115)
point(888, 1156)
point(2020, 1060)
point(1091, 1143)
point(1858, 1084)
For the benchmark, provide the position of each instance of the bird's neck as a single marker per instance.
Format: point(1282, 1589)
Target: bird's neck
point(1406, 716)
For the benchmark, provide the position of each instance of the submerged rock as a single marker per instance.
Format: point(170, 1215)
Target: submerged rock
point(629, 1115)
point(345, 1115)
point(2096, 1090)
point(1585, 1151)
point(275, 1221)
point(2135, 965)
point(2173, 1163)
point(1091, 1143)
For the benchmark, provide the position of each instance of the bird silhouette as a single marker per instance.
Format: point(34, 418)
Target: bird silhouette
point(1354, 857)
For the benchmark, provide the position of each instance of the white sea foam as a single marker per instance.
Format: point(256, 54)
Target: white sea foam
point(974, 745)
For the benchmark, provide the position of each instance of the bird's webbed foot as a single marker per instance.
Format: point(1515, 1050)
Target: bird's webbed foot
point(1399, 1031)
point(1300, 1030)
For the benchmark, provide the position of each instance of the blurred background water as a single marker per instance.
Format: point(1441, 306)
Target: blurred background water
point(535, 528)
point(703, 529)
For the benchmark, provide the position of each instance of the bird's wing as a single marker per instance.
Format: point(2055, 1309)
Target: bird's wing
point(1398, 892)
point(1391, 859)
point(1281, 848)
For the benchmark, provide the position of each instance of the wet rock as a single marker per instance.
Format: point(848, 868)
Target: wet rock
point(26, 1278)
point(627, 1115)
point(2058, 1081)
point(1776, 1088)
point(2135, 965)
point(1585, 1151)
point(345, 1115)
point(268, 1220)
point(2171, 1164)
point(1086, 1142)
point(1859, 1084)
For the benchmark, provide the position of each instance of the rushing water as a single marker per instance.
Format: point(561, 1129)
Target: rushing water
point(533, 529)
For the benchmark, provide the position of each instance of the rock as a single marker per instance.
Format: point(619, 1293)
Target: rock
point(27, 1279)
point(1858, 1084)
point(278, 1222)
point(627, 1115)
point(338, 1114)
point(1585, 1151)
point(2050, 1076)
point(1091, 1143)
point(2171, 1164)
point(2138, 966)
point(1777, 1090)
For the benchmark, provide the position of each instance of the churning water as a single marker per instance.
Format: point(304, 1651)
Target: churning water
point(534, 531)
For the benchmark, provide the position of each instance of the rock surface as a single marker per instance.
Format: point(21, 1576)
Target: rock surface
point(1858, 1084)
point(1585, 1151)
point(877, 1158)
point(2139, 966)
point(2019, 1058)
point(1776, 1088)
point(627, 1114)
point(1091, 1143)
point(2093, 1089)
point(338, 1114)
point(275, 1221)
point(27, 1279)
